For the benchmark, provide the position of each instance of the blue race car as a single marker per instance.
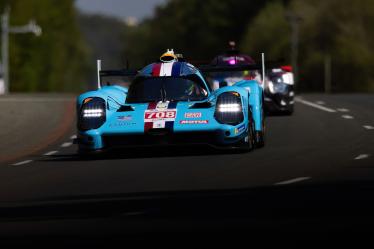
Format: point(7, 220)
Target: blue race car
point(169, 103)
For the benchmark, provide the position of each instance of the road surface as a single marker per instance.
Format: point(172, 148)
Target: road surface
point(313, 181)
point(330, 138)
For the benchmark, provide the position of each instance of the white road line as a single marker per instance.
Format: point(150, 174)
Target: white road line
point(368, 127)
point(73, 137)
point(347, 117)
point(362, 156)
point(50, 153)
point(22, 163)
point(342, 110)
point(314, 105)
point(299, 179)
point(320, 102)
point(64, 145)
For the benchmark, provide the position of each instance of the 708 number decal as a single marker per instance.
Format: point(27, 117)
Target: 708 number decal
point(160, 115)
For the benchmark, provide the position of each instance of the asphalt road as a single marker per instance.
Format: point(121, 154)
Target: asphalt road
point(31, 122)
point(330, 138)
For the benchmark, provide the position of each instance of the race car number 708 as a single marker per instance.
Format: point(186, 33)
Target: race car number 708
point(159, 115)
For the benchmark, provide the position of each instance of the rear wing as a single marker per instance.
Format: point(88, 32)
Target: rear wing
point(108, 73)
point(218, 68)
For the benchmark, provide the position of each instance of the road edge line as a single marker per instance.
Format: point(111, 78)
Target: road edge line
point(311, 104)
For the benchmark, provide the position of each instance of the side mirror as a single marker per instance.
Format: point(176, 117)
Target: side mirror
point(125, 108)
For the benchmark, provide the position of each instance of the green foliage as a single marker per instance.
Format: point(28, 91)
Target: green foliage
point(340, 28)
point(55, 61)
point(104, 37)
point(198, 29)
point(59, 59)
point(269, 33)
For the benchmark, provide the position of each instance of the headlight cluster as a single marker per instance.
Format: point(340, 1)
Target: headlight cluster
point(271, 86)
point(278, 87)
point(92, 114)
point(229, 108)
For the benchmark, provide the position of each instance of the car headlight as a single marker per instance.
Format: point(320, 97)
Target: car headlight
point(278, 87)
point(271, 86)
point(92, 114)
point(229, 108)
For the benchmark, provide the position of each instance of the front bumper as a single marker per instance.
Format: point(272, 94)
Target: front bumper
point(93, 140)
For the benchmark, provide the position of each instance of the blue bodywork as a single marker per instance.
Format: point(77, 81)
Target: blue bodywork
point(130, 122)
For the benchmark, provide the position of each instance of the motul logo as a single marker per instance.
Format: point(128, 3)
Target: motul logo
point(194, 122)
point(192, 115)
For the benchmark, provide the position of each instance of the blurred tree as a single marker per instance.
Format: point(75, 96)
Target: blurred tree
point(341, 29)
point(104, 37)
point(198, 29)
point(55, 61)
point(269, 32)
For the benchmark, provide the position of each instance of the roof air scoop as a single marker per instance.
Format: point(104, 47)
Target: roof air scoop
point(169, 56)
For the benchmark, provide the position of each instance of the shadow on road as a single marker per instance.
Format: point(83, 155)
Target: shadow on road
point(145, 152)
point(312, 212)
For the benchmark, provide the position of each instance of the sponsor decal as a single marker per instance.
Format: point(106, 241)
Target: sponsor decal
point(121, 124)
point(194, 122)
point(161, 106)
point(240, 129)
point(160, 115)
point(167, 115)
point(124, 118)
point(159, 124)
point(192, 115)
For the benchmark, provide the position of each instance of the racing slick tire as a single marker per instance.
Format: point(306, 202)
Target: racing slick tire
point(248, 142)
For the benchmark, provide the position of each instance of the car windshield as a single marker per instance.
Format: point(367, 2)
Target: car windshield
point(153, 89)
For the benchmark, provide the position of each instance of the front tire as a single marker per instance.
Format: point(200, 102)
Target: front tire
point(248, 143)
point(260, 135)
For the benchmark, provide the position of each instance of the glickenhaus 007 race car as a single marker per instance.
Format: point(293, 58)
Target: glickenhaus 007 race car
point(168, 103)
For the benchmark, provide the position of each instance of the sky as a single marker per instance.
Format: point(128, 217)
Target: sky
point(119, 8)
